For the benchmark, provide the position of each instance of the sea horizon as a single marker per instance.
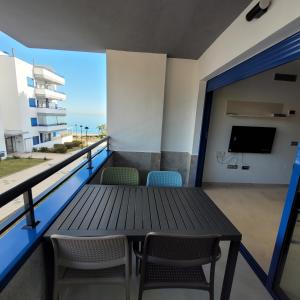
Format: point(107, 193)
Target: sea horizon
point(89, 120)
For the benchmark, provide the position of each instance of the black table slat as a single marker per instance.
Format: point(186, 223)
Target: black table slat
point(84, 210)
point(76, 210)
point(116, 210)
point(100, 209)
point(62, 217)
point(182, 210)
point(155, 225)
point(108, 209)
point(138, 216)
point(92, 210)
point(135, 211)
point(146, 218)
point(123, 210)
point(162, 215)
point(175, 211)
point(131, 208)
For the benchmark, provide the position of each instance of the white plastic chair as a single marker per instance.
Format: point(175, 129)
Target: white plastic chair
point(90, 260)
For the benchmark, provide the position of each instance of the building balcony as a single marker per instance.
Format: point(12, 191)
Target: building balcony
point(52, 127)
point(46, 74)
point(70, 198)
point(52, 111)
point(49, 94)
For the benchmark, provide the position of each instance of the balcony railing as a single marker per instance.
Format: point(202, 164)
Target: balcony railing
point(46, 74)
point(54, 124)
point(43, 110)
point(49, 94)
point(28, 224)
point(25, 188)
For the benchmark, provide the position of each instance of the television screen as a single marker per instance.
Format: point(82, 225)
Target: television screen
point(246, 139)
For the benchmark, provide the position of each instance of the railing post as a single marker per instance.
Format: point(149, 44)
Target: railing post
point(107, 144)
point(89, 158)
point(28, 204)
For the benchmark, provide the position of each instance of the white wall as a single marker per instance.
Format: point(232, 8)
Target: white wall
point(2, 139)
point(24, 70)
point(181, 95)
point(272, 168)
point(9, 106)
point(135, 98)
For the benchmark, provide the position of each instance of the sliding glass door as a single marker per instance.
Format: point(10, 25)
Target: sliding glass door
point(289, 269)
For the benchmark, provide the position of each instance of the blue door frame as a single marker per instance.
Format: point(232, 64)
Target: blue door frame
point(279, 54)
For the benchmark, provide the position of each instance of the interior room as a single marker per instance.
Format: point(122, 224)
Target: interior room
point(259, 115)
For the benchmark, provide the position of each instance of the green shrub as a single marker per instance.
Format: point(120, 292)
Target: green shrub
point(69, 145)
point(16, 157)
point(73, 144)
point(76, 143)
point(44, 149)
point(34, 150)
point(59, 148)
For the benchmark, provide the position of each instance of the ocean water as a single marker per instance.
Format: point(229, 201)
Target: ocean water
point(89, 120)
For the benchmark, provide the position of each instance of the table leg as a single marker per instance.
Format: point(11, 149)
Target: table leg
point(230, 268)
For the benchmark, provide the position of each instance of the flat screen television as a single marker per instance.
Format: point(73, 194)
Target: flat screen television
point(247, 139)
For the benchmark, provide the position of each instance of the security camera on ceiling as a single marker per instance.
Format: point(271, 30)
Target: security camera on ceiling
point(258, 10)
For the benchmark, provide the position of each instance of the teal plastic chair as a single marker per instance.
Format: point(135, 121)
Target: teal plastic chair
point(164, 179)
point(120, 176)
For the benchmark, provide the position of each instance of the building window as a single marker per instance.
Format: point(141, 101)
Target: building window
point(35, 140)
point(54, 133)
point(32, 102)
point(30, 81)
point(34, 122)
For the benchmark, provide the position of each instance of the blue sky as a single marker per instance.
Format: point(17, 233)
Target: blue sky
point(85, 75)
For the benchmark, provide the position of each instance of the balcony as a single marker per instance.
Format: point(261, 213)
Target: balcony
point(49, 94)
point(52, 127)
point(46, 74)
point(69, 198)
point(52, 111)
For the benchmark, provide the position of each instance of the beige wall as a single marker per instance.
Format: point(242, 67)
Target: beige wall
point(135, 98)
point(181, 95)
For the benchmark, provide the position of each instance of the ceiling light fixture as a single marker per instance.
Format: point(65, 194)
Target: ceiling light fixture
point(258, 10)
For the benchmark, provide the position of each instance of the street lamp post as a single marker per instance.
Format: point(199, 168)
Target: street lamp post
point(81, 134)
point(76, 130)
point(86, 130)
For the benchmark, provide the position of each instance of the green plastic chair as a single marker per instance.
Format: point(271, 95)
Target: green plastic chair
point(120, 176)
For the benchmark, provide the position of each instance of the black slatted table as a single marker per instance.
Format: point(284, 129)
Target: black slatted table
point(135, 211)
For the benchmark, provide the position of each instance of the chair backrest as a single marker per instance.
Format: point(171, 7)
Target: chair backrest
point(164, 178)
point(180, 250)
point(88, 253)
point(120, 176)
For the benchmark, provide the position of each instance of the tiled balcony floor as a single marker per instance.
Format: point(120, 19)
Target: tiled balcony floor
point(246, 286)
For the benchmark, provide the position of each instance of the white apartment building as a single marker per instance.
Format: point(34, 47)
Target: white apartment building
point(31, 115)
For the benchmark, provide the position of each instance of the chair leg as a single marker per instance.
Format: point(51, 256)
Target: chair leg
point(130, 257)
point(211, 294)
point(55, 292)
point(137, 266)
point(140, 293)
point(127, 290)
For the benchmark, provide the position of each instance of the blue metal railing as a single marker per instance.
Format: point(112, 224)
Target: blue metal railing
point(22, 232)
point(25, 188)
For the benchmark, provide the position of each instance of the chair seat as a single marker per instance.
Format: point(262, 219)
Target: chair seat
point(170, 276)
point(139, 254)
point(115, 274)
